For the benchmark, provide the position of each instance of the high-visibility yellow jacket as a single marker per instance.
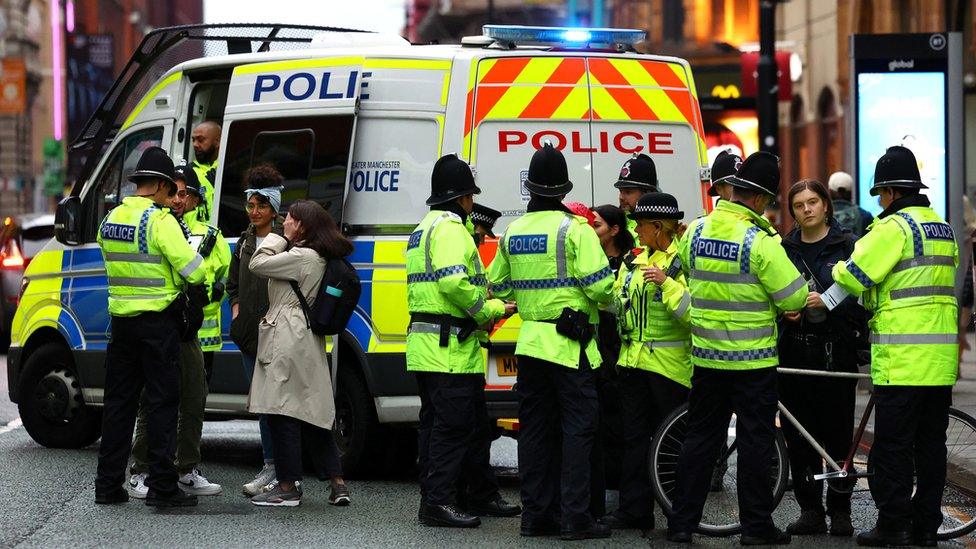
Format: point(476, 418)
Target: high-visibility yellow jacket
point(654, 320)
point(904, 268)
point(146, 257)
point(739, 277)
point(216, 264)
point(206, 190)
point(445, 277)
point(549, 260)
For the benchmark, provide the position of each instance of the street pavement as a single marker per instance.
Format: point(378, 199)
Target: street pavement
point(47, 501)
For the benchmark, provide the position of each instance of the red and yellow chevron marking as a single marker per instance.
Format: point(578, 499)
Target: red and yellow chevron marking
point(575, 88)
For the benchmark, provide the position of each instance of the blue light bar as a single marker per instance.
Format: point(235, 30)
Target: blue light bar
point(569, 36)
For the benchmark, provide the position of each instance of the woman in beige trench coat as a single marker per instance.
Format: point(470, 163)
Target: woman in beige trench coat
point(292, 383)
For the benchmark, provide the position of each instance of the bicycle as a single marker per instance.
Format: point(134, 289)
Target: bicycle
point(721, 508)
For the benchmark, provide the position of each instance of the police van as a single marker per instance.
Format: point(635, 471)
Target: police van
point(354, 121)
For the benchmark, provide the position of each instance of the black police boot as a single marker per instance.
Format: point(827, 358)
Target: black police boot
point(177, 499)
point(810, 523)
point(773, 537)
point(879, 537)
point(840, 524)
point(617, 522)
point(448, 516)
point(594, 531)
point(109, 498)
point(497, 507)
point(678, 536)
point(924, 539)
point(540, 529)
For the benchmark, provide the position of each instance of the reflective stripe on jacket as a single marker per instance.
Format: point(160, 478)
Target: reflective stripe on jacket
point(216, 265)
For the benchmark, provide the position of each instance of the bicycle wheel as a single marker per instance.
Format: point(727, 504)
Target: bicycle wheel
point(721, 511)
point(959, 494)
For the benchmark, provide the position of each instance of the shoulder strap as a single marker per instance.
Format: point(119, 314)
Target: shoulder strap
point(303, 302)
point(674, 267)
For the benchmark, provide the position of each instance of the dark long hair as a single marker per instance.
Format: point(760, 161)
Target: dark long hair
point(816, 188)
point(615, 217)
point(320, 231)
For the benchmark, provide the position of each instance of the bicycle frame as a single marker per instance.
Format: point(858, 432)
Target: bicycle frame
point(837, 471)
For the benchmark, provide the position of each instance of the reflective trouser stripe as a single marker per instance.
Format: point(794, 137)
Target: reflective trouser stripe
point(657, 344)
point(733, 335)
point(923, 291)
point(428, 328)
point(134, 281)
point(711, 276)
point(717, 305)
point(913, 339)
point(789, 290)
point(187, 270)
point(924, 261)
point(133, 258)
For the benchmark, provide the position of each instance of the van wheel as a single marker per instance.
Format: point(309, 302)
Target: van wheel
point(51, 404)
point(356, 422)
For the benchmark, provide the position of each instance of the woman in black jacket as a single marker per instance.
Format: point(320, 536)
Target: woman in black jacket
point(817, 339)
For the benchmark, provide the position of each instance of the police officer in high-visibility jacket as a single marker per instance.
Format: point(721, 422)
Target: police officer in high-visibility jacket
point(725, 165)
point(637, 177)
point(483, 219)
point(652, 300)
point(739, 278)
point(551, 262)
point(148, 261)
point(447, 296)
point(904, 270)
point(206, 145)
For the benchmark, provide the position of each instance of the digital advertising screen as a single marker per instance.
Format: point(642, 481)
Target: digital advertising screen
point(908, 109)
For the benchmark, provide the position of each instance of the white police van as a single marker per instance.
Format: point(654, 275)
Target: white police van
point(354, 121)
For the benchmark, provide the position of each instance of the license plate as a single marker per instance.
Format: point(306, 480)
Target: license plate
point(507, 365)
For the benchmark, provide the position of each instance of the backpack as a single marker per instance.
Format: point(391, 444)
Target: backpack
point(849, 217)
point(335, 301)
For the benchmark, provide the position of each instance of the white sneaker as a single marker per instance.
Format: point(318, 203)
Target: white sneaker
point(265, 477)
point(195, 484)
point(137, 486)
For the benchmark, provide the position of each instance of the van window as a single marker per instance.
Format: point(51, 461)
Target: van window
point(207, 102)
point(113, 184)
point(311, 153)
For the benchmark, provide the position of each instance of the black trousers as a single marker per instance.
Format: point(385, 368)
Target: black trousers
point(291, 437)
point(454, 439)
point(715, 395)
point(143, 358)
point(558, 415)
point(910, 427)
point(647, 399)
point(825, 408)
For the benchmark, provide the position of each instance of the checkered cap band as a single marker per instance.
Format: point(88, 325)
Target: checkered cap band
point(657, 209)
point(477, 217)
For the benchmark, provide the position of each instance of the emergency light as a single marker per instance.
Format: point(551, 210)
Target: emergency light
point(568, 36)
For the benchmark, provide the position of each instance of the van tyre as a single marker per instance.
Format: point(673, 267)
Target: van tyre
point(50, 403)
point(356, 423)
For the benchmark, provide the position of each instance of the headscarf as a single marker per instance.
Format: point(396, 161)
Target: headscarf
point(273, 194)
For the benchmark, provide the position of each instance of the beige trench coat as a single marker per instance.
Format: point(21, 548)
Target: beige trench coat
point(291, 374)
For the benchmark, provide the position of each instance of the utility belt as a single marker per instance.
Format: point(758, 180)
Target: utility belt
point(811, 339)
point(574, 325)
point(445, 324)
point(816, 341)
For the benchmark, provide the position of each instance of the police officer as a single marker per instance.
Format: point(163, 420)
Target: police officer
point(147, 259)
point(449, 306)
point(655, 361)
point(206, 145)
point(552, 263)
point(725, 166)
point(739, 277)
point(637, 176)
point(483, 218)
point(904, 269)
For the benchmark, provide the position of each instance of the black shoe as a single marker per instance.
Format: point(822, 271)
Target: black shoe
point(774, 537)
point(540, 530)
point(616, 522)
point(448, 516)
point(177, 499)
point(924, 539)
point(593, 531)
point(675, 536)
point(885, 538)
point(118, 496)
point(840, 525)
point(497, 507)
point(810, 523)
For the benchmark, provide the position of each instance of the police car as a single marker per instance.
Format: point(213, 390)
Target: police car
point(355, 121)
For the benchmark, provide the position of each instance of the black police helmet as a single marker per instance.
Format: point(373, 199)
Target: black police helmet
point(638, 172)
point(154, 164)
point(725, 166)
point(485, 217)
point(450, 180)
point(548, 173)
point(657, 205)
point(759, 172)
point(897, 168)
point(189, 177)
